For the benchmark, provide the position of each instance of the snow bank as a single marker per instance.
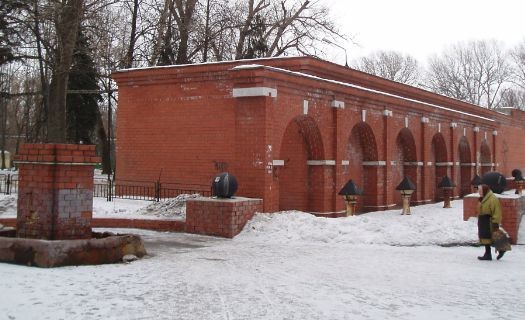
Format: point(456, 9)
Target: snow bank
point(8, 205)
point(141, 209)
point(428, 225)
point(169, 208)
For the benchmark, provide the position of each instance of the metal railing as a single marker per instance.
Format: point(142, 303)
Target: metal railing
point(145, 190)
point(8, 183)
point(123, 189)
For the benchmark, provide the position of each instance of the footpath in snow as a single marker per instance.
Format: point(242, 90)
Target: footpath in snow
point(287, 265)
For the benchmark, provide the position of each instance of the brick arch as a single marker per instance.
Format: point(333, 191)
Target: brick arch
point(312, 137)
point(465, 160)
point(362, 147)
point(301, 184)
point(485, 157)
point(439, 157)
point(404, 158)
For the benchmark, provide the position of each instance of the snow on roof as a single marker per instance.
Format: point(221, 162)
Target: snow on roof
point(300, 74)
point(204, 63)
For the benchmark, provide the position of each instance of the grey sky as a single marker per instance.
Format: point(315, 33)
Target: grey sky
point(424, 27)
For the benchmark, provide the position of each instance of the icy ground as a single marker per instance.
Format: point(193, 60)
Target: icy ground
point(289, 265)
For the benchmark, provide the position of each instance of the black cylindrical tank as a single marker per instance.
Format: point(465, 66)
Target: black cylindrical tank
point(224, 185)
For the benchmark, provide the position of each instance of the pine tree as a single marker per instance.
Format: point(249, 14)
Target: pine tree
point(82, 107)
point(257, 47)
point(10, 28)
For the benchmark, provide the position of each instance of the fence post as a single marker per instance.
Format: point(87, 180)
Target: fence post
point(110, 188)
point(8, 185)
point(157, 191)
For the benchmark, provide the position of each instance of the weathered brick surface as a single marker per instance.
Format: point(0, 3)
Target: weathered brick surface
point(150, 224)
point(158, 225)
point(220, 217)
point(183, 121)
point(55, 191)
point(513, 210)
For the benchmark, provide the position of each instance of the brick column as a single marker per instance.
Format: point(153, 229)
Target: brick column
point(513, 209)
point(220, 217)
point(388, 139)
point(55, 192)
point(453, 158)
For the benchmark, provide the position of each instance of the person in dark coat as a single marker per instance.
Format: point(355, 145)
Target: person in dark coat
point(489, 220)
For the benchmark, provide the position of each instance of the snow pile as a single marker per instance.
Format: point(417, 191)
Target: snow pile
point(117, 208)
point(428, 225)
point(8, 205)
point(168, 208)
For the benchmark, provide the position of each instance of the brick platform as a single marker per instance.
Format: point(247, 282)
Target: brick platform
point(153, 224)
point(220, 217)
point(513, 208)
point(55, 196)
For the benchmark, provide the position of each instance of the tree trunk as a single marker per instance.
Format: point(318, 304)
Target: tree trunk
point(68, 19)
point(128, 63)
point(184, 17)
point(103, 143)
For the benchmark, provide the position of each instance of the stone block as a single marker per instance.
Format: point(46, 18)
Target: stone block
point(220, 217)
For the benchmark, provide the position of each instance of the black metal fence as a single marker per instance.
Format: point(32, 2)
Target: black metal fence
point(8, 183)
point(145, 190)
point(123, 189)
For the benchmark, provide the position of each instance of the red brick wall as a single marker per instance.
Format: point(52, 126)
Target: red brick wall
point(220, 217)
point(150, 224)
point(55, 191)
point(184, 122)
point(8, 222)
point(158, 225)
point(513, 211)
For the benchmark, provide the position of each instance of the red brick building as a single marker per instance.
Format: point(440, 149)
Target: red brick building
point(295, 130)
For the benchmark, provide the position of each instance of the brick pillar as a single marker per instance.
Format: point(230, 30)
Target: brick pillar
point(512, 209)
point(388, 139)
point(453, 158)
point(220, 217)
point(55, 192)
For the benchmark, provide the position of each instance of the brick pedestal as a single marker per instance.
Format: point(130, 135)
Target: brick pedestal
point(55, 195)
point(513, 208)
point(220, 217)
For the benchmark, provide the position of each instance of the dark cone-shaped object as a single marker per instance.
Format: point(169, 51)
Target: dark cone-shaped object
point(446, 182)
point(350, 189)
point(495, 180)
point(517, 174)
point(224, 185)
point(406, 184)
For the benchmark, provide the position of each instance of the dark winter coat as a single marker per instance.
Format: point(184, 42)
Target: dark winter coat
point(489, 212)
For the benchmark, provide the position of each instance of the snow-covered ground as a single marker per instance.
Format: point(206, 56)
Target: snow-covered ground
point(288, 265)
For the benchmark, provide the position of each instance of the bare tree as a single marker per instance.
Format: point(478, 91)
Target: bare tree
point(475, 72)
point(128, 59)
point(11, 12)
point(162, 31)
point(391, 65)
point(518, 60)
point(512, 98)
point(290, 26)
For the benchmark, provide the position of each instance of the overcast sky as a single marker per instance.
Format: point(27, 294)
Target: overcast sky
point(424, 27)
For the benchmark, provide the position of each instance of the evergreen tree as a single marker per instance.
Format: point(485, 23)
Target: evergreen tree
point(257, 47)
point(10, 27)
point(82, 107)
